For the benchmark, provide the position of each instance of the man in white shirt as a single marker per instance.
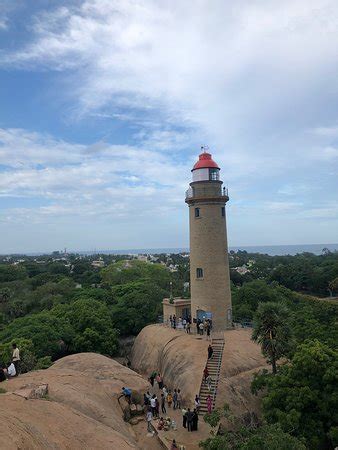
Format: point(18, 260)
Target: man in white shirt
point(11, 372)
point(16, 358)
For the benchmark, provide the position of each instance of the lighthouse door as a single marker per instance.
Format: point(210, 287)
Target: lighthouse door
point(201, 314)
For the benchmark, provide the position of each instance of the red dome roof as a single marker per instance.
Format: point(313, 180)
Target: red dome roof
point(205, 162)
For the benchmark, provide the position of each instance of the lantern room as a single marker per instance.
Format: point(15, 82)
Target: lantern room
point(205, 169)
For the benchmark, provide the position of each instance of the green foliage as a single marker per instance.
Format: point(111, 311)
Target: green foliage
point(91, 321)
point(267, 437)
point(303, 396)
point(46, 332)
point(27, 355)
point(2, 391)
point(213, 418)
point(272, 331)
point(246, 299)
point(12, 273)
point(43, 363)
point(216, 415)
point(125, 272)
point(136, 304)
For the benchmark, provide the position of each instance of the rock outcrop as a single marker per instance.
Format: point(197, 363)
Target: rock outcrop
point(80, 409)
point(181, 359)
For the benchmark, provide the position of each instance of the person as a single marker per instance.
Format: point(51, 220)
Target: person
point(145, 400)
point(208, 382)
point(198, 326)
point(152, 378)
point(195, 420)
point(187, 328)
point(127, 393)
point(163, 408)
point(149, 419)
point(157, 406)
point(201, 327)
point(209, 404)
point(210, 351)
point(179, 398)
point(208, 330)
point(173, 445)
point(174, 322)
point(184, 416)
point(171, 320)
point(205, 373)
point(165, 391)
point(160, 425)
point(175, 398)
point(197, 402)
point(189, 419)
point(169, 398)
point(159, 380)
point(153, 405)
point(2, 374)
point(184, 322)
point(16, 358)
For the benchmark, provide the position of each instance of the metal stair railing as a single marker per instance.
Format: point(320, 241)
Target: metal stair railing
point(219, 362)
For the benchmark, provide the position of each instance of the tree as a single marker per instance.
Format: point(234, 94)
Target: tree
point(302, 398)
point(333, 286)
point(271, 330)
point(5, 294)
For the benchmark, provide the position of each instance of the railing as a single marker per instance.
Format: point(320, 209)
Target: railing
point(190, 193)
point(219, 363)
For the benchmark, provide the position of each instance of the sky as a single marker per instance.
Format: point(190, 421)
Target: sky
point(105, 104)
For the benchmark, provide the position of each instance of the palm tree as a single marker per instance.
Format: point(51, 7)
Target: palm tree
point(271, 330)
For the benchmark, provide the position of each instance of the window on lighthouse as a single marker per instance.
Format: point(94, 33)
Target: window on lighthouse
point(197, 212)
point(199, 272)
point(213, 174)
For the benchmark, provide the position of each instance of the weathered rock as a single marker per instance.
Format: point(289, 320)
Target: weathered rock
point(139, 409)
point(83, 411)
point(181, 359)
point(32, 391)
point(136, 420)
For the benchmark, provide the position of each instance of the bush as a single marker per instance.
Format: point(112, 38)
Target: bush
point(43, 363)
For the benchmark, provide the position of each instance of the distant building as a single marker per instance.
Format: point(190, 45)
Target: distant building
point(98, 264)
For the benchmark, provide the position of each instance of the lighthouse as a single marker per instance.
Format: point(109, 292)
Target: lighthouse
point(209, 263)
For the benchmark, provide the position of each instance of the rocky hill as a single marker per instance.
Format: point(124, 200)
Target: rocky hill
point(181, 359)
point(80, 411)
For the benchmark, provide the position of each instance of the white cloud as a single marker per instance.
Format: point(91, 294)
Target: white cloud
point(78, 180)
point(213, 68)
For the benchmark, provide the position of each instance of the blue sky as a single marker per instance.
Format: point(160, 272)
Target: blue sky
point(105, 104)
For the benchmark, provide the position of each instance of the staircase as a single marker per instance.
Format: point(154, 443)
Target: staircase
point(214, 368)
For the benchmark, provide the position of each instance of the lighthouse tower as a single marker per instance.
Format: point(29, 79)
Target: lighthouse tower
point(209, 264)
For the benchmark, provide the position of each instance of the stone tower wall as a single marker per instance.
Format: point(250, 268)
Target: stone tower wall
point(209, 251)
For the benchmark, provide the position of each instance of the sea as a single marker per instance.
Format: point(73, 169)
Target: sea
point(272, 250)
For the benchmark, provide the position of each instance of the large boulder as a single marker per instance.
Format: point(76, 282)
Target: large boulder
point(81, 410)
point(181, 359)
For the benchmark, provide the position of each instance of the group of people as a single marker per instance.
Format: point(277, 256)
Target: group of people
point(183, 324)
point(157, 405)
point(11, 369)
point(202, 326)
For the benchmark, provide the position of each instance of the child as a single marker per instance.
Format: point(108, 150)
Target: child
point(169, 398)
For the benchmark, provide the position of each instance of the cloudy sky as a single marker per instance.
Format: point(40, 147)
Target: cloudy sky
point(104, 105)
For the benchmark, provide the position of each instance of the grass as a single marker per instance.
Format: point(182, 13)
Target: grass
point(2, 391)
